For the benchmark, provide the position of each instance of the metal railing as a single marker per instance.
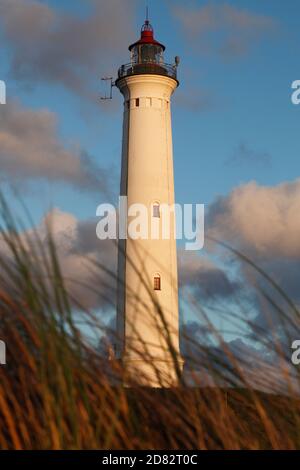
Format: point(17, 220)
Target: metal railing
point(148, 68)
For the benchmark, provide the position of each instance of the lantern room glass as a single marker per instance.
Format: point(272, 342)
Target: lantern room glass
point(147, 54)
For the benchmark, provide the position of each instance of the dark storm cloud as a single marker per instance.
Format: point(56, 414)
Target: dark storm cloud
point(207, 280)
point(51, 45)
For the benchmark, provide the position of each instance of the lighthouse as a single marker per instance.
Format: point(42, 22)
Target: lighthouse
point(147, 303)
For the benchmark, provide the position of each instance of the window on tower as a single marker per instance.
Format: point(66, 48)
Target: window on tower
point(157, 282)
point(156, 210)
point(137, 102)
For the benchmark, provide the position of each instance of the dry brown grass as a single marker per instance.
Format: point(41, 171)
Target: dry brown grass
point(56, 391)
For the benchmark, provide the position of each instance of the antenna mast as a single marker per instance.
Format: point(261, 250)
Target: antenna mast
point(111, 85)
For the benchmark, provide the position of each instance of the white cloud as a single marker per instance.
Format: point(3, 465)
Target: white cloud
point(81, 257)
point(260, 220)
point(56, 46)
point(30, 148)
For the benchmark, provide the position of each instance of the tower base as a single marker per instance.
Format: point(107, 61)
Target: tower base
point(156, 373)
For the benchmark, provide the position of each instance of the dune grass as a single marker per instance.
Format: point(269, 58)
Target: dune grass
point(58, 390)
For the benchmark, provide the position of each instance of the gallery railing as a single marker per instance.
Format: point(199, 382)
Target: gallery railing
point(148, 68)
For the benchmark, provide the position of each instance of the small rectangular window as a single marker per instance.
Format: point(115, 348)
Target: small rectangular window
point(137, 102)
point(156, 210)
point(157, 285)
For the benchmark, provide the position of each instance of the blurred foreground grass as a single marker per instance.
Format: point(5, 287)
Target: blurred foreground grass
point(57, 391)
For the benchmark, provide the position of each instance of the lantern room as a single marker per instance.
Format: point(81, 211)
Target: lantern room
point(147, 56)
point(147, 49)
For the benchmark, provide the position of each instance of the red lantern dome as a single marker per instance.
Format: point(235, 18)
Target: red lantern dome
point(147, 37)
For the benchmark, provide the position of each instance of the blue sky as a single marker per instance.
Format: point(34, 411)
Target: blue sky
point(246, 103)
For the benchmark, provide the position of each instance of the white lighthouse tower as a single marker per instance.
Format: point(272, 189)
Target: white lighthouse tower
point(147, 310)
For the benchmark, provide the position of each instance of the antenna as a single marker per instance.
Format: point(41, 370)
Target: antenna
point(111, 83)
point(147, 13)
